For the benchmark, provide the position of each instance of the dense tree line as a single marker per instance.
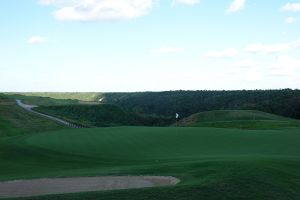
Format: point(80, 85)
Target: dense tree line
point(102, 115)
point(285, 102)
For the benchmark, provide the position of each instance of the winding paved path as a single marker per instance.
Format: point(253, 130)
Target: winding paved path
point(29, 109)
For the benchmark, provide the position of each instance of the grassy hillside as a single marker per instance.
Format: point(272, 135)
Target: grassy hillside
point(80, 96)
point(101, 115)
point(57, 98)
point(15, 120)
point(41, 100)
point(247, 119)
point(213, 164)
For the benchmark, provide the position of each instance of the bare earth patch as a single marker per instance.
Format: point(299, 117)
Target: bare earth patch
point(26, 188)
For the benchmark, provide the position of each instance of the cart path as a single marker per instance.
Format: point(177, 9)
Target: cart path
point(38, 187)
point(29, 109)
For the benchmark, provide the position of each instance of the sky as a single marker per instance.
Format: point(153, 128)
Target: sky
point(148, 45)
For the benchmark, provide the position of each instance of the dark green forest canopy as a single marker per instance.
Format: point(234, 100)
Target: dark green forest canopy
point(282, 102)
point(101, 115)
point(285, 102)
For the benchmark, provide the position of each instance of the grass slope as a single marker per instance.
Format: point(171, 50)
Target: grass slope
point(41, 100)
point(81, 96)
point(101, 115)
point(15, 120)
point(212, 163)
point(245, 119)
point(57, 98)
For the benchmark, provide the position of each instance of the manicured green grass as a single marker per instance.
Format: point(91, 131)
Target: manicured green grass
point(243, 119)
point(15, 120)
point(212, 163)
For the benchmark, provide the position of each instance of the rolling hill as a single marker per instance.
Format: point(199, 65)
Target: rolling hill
point(245, 119)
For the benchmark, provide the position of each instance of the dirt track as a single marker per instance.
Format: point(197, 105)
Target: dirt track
point(26, 188)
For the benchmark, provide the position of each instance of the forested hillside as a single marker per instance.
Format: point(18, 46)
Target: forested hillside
point(282, 102)
point(102, 115)
point(285, 102)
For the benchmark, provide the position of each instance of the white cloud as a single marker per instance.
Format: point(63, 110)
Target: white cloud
point(290, 20)
point(236, 5)
point(247, 63)
point(37, 40)
point(167, 49)
point(60, 3)
point(295, 7)
point(253, 74)
point(273, 48)
point(296, 44)
point(284, 66)
point(226, 53)
point(185, 2)
point(46, 2)
point(98, 10)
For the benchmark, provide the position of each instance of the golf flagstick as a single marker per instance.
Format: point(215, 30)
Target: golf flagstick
point(177, 116)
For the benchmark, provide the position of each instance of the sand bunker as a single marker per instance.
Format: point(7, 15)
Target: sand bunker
point(25, 188)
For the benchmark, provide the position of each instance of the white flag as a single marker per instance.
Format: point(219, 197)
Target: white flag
point(177, 115)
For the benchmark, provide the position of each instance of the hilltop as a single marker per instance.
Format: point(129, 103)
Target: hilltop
point(245, 119)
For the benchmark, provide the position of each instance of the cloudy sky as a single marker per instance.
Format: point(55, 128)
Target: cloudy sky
point(153, 45)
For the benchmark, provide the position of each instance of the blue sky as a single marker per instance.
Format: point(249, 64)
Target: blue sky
point(149, 45)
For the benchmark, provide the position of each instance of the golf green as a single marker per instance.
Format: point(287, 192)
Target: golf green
point(211, 163)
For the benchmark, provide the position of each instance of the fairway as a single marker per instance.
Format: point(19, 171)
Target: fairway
point(206, 160)
point(147, 144)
